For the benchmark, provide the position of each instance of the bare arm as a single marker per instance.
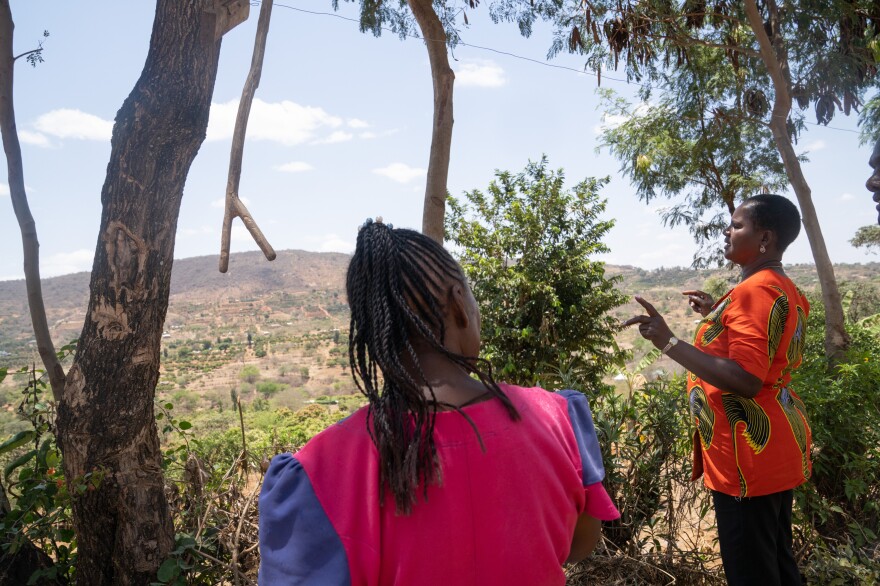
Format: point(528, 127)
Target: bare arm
point(723, 373)
point(586, 536)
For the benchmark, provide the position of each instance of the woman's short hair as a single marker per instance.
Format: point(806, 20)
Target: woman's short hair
point(777, 214)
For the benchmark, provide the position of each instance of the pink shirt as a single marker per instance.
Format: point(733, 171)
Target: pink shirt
point(505, 516)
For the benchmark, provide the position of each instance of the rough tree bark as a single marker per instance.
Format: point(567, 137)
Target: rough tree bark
point(441, 136)
point(30, 243)
point(836, 339)
point(106, 423)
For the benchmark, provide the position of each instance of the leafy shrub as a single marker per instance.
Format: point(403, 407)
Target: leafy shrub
point(525, 247)
point(249, 374)
point(842, 499)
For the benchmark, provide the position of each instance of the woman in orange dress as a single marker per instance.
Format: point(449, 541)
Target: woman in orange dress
point(752, 439)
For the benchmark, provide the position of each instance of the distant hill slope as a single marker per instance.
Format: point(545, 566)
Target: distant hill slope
point(317, 280)
point(194, 281)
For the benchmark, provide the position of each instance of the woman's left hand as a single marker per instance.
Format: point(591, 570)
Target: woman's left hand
point(652, 326)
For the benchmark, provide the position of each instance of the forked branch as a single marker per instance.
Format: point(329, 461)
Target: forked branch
point(234, 206)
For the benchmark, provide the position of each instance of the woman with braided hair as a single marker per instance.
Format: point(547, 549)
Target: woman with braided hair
point(446, 477)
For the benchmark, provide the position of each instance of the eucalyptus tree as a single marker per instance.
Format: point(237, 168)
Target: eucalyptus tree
point(809, 53)
point(436, 20)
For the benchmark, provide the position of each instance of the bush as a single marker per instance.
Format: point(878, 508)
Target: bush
point(842, 499)
point(525, 247)
point(249, 374)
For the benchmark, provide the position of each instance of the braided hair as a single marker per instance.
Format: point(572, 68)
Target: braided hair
point(394, 283)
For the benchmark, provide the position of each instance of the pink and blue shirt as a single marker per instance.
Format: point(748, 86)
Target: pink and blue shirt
point(503, 515)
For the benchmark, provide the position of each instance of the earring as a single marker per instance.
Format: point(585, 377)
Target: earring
point(763, 249)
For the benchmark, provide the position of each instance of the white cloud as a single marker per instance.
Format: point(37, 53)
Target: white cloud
point(609, 122)
point(847, 197)
point(612, 121)
point(333, 243)
point(34, 138)
point(357, 123)
point(369, 134)
point(283, 122)
point(200, 231)
point(816, 145)
point(64, 263)
point(4, 189)
point(69, 123)
point(337, 136)
point(240, 234)
point(479, 73)
point(294, 167)
point(221, 203)
point(400, 172)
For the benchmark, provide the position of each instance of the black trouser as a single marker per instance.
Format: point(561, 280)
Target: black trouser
point(754, 534)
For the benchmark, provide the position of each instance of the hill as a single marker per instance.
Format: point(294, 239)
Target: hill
point(275, 333)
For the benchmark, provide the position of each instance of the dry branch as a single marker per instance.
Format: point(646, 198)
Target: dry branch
point(30, 243)
point(234, 206)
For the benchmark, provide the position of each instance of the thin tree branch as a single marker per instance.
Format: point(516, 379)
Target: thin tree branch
point(26, 53)
point(29, 241)
point(234, 206)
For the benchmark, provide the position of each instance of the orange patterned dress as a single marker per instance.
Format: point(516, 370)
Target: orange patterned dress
point(758, 446)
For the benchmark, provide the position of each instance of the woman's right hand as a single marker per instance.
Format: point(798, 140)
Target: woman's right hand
point(700, 301)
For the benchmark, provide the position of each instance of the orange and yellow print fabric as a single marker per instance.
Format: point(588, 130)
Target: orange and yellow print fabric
point(758, 446)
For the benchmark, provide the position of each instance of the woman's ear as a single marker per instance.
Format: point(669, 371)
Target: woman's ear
point(458, 306)
point(768, 239)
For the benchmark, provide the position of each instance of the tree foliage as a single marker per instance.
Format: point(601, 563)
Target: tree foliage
point(867, 237)
point(526, 246)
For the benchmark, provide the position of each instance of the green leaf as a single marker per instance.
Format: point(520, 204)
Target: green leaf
point(184, 425)
point(18, 462)
point(17, 440)
point(168, 570)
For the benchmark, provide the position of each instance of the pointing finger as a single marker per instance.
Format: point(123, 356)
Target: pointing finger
point(639, 319)
point(648, 307)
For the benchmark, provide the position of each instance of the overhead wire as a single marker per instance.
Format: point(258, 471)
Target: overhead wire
point(463, 43)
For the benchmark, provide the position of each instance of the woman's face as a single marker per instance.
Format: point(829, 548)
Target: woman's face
point(742, 239)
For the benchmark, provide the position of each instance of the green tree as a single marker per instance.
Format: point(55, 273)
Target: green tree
point(867, 237)
point(249, 374)
point(812, 53)
point(691, 143)
point(526, 247)
point(269, 388)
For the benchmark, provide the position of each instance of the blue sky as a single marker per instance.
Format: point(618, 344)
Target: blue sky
point(341, 130)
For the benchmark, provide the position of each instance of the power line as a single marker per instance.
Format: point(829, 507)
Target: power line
point(505, 53)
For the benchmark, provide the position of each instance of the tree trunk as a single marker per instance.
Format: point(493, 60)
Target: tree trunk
point(106, 424)
point(441, 136)
point(836, 339)
point(29, 242)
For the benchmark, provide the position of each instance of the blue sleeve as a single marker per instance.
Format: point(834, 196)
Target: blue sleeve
point(585, 433)
point(298, 544)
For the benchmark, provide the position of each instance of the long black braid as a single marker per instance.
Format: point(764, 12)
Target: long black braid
point(393, 283)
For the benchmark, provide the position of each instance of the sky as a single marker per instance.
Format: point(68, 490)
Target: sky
point(340, 131)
